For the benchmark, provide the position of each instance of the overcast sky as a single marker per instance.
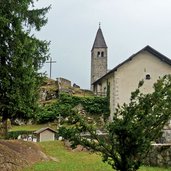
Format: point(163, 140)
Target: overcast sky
point(127, 25)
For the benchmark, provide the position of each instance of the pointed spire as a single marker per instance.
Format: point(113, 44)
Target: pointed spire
point(99, 40)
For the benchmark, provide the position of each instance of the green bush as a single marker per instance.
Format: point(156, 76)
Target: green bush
point(15, 134)
point(96, 105)
point(63, 107)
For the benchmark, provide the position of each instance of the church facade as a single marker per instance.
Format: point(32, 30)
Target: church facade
point(146, 64)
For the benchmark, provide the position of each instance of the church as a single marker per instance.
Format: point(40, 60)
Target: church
point(147, 64)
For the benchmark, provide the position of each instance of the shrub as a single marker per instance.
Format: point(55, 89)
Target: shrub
point(63, 107)
point(15, 134)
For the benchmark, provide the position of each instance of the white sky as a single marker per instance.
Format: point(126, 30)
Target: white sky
point(127, 25)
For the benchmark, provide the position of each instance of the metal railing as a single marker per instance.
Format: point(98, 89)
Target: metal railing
point(103, 94)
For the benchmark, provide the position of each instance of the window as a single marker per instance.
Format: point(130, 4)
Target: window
point(148, 77)
point(98, 54)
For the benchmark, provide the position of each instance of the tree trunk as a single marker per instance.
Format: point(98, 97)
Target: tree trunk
point(4, 127)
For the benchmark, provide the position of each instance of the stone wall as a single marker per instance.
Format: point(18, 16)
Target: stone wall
point(63, 83)
point(159, 155)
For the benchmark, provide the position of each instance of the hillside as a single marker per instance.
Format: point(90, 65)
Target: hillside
point(51, 89)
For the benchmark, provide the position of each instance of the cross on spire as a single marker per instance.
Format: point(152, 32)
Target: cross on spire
point(50, 62)
point(99, 24)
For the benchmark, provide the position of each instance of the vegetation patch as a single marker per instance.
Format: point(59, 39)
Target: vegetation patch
point(94, 106)
point(70, 160)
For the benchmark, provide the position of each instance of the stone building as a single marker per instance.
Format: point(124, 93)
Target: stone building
point(146, 64)
point(98, 57)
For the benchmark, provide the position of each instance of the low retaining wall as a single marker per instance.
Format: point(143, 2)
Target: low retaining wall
point(159, 155)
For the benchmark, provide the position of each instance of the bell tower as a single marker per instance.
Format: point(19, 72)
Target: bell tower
point(98, 57)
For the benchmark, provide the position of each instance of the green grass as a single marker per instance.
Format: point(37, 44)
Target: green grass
point(143, 168)
point(75, 161)
point(69, 160)
point(31, 127)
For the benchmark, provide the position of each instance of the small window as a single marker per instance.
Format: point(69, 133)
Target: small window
point(148, 77)
point(102, 54)
point(98, 54)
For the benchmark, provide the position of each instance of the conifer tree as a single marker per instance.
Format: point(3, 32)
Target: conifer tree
point(21, 57)
point(134, 127)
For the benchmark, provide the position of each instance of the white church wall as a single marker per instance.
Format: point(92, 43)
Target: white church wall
point(129, 74)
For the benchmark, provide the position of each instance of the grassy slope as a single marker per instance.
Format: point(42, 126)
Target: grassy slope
point(69, 160)
point(74, 161)
point(32, 127)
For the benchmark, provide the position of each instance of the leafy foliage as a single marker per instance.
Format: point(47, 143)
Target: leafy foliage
point(96, 105)
point(128, 138)
point(15, 134)
point(92, 105)
point(21, 56)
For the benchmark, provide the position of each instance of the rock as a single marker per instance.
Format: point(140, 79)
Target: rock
point(19, 122)
point(15, 155)
point(60, 138)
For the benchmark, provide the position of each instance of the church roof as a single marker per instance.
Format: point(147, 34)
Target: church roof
point(146, 48)
point(99, 41)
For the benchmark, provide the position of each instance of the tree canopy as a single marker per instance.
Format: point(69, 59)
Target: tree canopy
point(21, 56)
point(135, 125)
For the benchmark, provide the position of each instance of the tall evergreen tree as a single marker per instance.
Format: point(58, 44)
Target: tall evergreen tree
point(21, 57)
